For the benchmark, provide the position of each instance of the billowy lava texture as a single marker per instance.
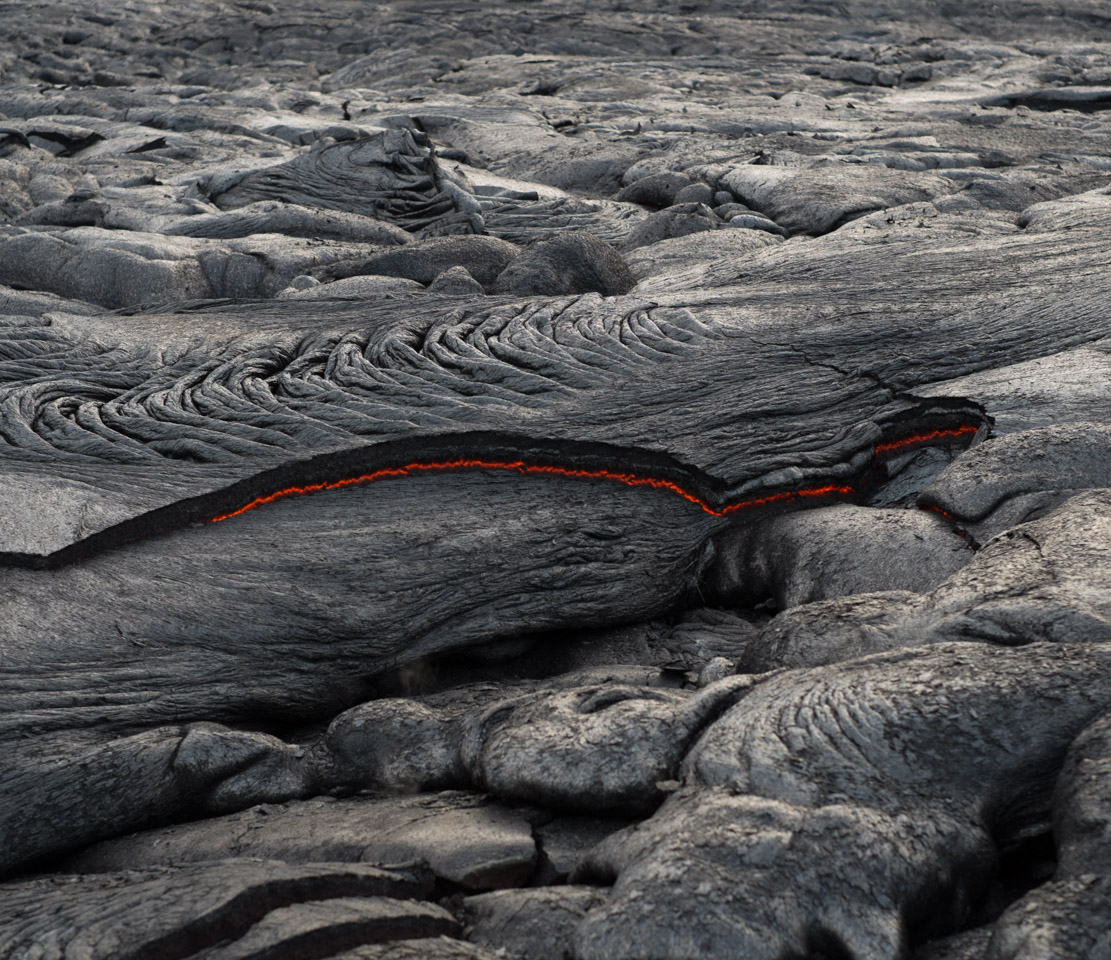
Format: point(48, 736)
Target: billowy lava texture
point(610, 481)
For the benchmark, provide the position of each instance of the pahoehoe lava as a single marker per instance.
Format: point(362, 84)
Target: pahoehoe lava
point(802, 495)
point(555, 481)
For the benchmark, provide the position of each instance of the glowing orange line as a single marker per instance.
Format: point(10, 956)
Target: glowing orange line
point(922, 438)
point(629, 479)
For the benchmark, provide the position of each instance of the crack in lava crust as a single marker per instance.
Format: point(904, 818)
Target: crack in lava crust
point(629, 479)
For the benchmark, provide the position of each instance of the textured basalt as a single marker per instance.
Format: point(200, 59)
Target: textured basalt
point(610, 480)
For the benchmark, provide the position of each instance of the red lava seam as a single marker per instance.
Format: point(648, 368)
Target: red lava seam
point(629, 479)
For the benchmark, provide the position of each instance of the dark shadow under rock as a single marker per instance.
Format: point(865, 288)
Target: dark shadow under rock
point(328, 926)
point(566, 841)
point(657, 190)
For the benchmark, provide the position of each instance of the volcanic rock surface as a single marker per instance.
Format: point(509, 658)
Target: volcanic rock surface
point(610, 481)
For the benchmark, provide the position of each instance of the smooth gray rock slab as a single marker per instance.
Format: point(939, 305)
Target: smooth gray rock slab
point(464, 838)
point(817, 201)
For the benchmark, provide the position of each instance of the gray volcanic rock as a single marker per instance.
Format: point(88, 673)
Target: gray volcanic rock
point(292, 220)
point(285, 562)
point(969, 945)
point(426, 948)
point(693, 260)
point(782, 837)
point(392, 175)
point(656, 190)
point(1044, 580)
point(466, 839)
point(233, 906)
point(484, 258)
point(530, 924)
point(574, 263)
point(115, 268)
point(836, 551)
point(29, 304)
point(676, 221)
point(820, 199)
point(456, 282)
point(1022, 476)
point(1082, 805)
point(1057, 388)
point(594, 748)
point(1068, 917)
point(362, 287)
point(830, 631)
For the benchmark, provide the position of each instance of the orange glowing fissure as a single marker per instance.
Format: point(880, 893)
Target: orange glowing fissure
point(629, 479)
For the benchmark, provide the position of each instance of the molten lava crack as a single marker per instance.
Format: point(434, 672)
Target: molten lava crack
point(629, 479)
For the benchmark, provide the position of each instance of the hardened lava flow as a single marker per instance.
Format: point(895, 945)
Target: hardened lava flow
point(885, 449)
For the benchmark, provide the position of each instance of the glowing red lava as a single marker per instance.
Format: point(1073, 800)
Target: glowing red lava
point(629, 479)
point(921, 439)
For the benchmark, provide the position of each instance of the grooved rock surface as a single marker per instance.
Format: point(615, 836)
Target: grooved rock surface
point(189, 909)
point(646, 460)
